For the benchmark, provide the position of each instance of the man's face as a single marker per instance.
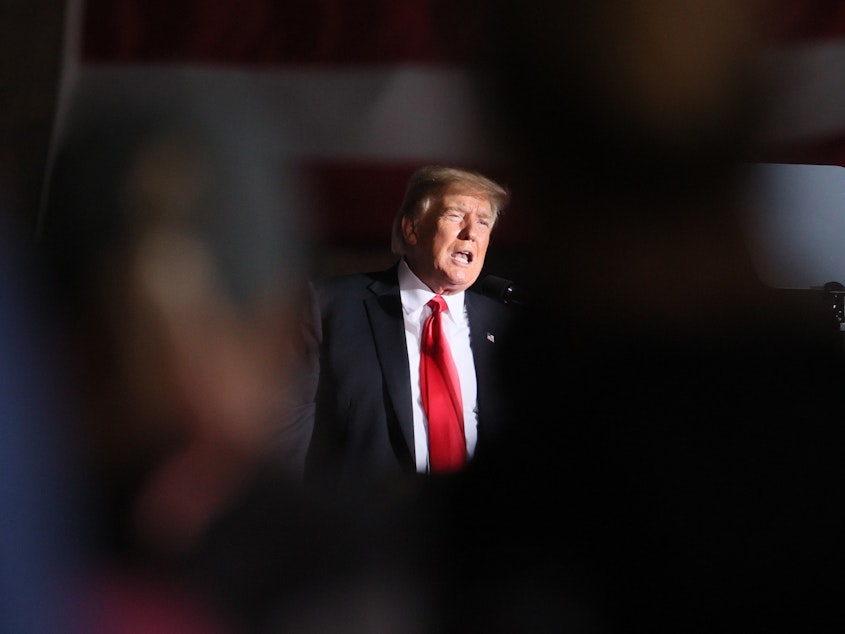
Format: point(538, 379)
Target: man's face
point(448, 244)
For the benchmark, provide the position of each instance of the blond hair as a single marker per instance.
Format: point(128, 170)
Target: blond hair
point(428, 182)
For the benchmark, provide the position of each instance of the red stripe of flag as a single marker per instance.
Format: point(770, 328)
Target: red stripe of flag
point(808, 21)
point(262, 32)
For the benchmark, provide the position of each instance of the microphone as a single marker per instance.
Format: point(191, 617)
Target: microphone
point(837, 290)
point(505, 291)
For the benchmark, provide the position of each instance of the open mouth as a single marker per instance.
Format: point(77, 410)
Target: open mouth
point(464, 257)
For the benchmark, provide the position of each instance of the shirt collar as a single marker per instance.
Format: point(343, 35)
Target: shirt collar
point(415, 294)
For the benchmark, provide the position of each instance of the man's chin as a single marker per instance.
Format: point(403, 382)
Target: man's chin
point(462, 282)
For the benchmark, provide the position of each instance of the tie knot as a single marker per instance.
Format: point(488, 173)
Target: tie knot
point(437, 304)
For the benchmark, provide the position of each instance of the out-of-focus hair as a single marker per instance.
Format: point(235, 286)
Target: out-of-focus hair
point(128, 165)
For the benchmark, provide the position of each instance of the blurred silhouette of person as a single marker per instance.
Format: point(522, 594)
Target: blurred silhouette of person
point(677, 464)
point(163, 238)
point(172, 242)
point(365, 393)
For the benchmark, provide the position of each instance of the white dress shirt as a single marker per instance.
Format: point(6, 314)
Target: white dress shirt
point(415, 295)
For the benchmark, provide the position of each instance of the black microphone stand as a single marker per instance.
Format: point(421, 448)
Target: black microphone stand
point(837, 298)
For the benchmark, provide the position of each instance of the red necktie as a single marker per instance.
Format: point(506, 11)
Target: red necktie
point(441, 395)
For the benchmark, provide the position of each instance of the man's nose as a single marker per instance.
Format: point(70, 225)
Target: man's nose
point(468, 230)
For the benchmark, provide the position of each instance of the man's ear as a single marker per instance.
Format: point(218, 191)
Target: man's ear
point(409, 231)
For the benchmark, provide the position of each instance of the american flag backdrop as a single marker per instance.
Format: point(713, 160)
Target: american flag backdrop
point(363, 91)
point(366, 92)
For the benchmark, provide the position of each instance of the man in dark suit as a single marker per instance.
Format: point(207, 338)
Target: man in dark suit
point(364, 332)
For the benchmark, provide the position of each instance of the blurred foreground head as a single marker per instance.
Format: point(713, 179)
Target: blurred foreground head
point(642, 93)
point(170, 236)
point(626, 125)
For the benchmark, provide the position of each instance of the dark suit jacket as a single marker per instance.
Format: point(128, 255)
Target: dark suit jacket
point(358, 381)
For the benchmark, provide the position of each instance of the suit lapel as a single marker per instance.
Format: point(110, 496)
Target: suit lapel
point(482, 336)
point(387, 324)
point(485, 348)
